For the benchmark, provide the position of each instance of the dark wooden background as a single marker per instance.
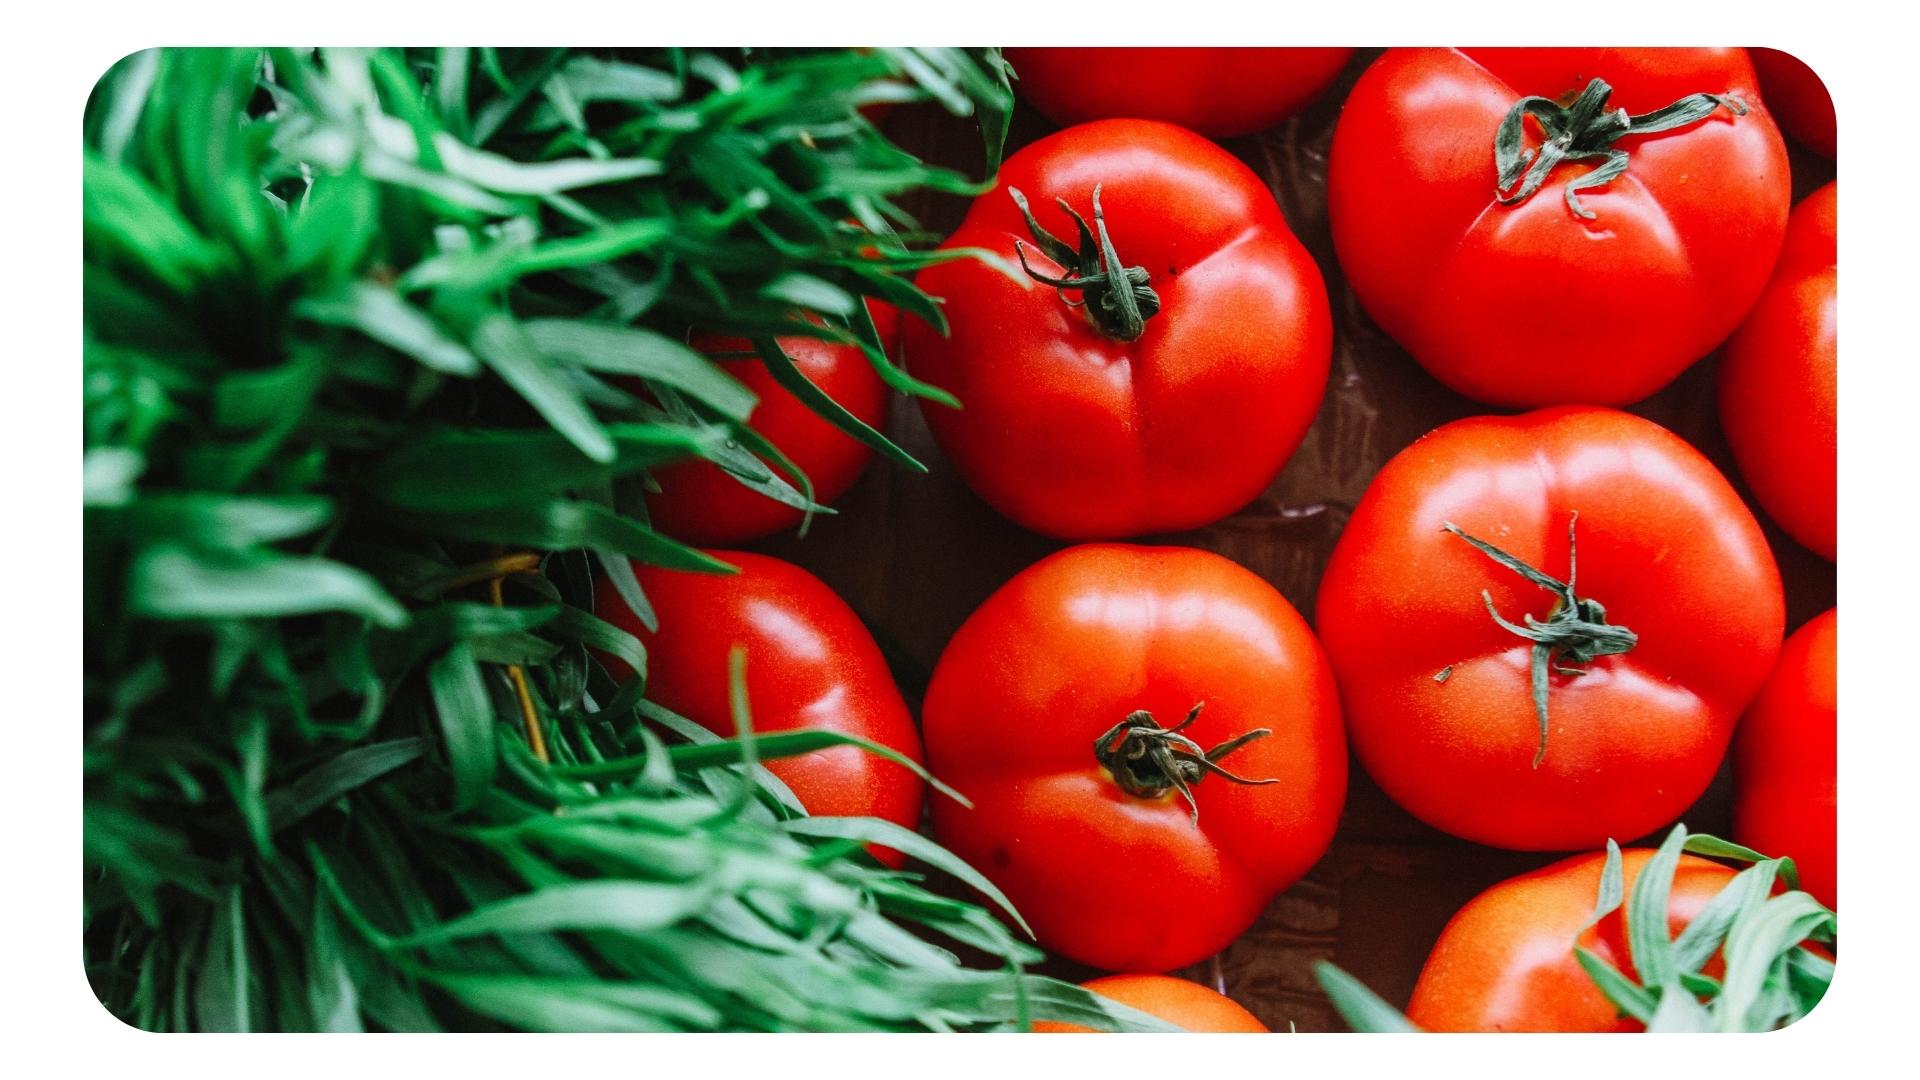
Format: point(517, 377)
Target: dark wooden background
point(915, 555)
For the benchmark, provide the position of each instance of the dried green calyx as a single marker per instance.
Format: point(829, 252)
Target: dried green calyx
point(1584, 130)
point(1149, 760)
point(1117, 297)
point(1576, 631)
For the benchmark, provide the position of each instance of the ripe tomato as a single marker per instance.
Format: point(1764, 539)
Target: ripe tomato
point(1514, 298)
point(1778, 382)
point(1616, 719)
point(810, 664)
point(1071, 429)
point(1505, 962)
point(1051, 710)
point(1177, 1001)
point(1784, 758)
point(700, 503)
point(1216, 92)
point(1798, 99)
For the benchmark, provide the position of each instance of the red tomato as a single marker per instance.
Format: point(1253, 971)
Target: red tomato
point(1784, 758)
point(1778, 382)
point(1677, 620)
point(811, 664)
point(1527, 303)
point(1217, 92)
point(1505, 962)
point(1073, 431)
point(699, 503)
point(1177, 1001)
point(1050, 709)
point(1798, 99)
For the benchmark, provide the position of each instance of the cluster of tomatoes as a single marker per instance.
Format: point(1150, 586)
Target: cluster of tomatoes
point(1538, 629)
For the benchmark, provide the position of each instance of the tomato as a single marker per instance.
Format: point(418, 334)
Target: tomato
point(1516, 299)
point(1177, 1001)
point(1054, 709)
point(1505, 962)
point(1798, 99)
point(1069, 428)
point(811, 664)
point(1617, 721)
point(1778, 382)
point(1784, 758)
point(1218, 92)
point(700, 503)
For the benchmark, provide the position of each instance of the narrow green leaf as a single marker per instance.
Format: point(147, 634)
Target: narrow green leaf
point(173, 582)
point(795, 382)
point(645, 354)
point(1360, 1007)
point(623, 906)
point(506, 348)
point(383, 315)
point(1648, 938)
point(466, 722)
point(1627, 996)
point(471, 468)
point(909, 843)
point(340, 774)
point(564, 524)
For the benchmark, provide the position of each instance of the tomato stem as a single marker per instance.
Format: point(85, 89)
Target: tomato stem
point(1576, 630)
point(1119, 302)
point(1584, 130)
point(1148, 760)
point(536, 738)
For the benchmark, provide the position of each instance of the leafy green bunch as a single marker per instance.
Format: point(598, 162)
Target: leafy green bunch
point(380, 347)
point(1769, 979)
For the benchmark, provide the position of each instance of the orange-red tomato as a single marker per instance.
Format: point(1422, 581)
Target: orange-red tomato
point(1784, 758)
point(1218, 92)
point(700, 504)
point(1505, 962)
point(1074, 430)
point(1779, 381)
point(1798, 99)
point(1528, 303)
point(1439, 697)
point(1177, 1001)
point(811, 664)
point(1074, 815)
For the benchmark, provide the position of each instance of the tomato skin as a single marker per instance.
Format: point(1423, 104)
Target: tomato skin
point(1218, 92)
point(811, 664)
point(1785, 757)
point(1505, 961)
point(1664, 543)
point(1528, 305)
point(1079, 436)
point(1177, 1001)
point(1798, 98)
point(1060, 654)
point(1779, 393)
point(699, 503)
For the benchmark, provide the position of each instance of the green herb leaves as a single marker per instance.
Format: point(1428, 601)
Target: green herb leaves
point(378, 344)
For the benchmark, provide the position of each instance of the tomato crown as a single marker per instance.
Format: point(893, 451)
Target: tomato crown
point(1119, 302)
point(1576, 630)
point(1584, 130)
point(1148, 760)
